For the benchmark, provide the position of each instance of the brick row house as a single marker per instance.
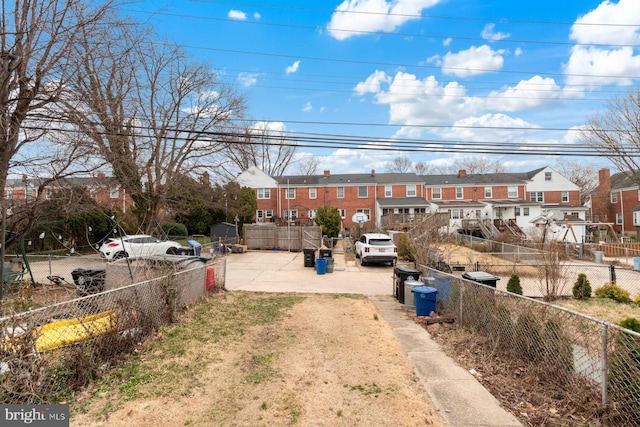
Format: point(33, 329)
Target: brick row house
point(615, 203)
point(485, 204)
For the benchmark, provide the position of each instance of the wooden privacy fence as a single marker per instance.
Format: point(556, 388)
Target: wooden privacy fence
point(270, 236)
point(619, 249)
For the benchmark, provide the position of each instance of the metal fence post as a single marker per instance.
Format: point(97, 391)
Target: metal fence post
point(605, 363)
point(50, 271)
point(460, 308)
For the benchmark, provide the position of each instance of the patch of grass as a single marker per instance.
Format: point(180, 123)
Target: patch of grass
point(291, 407)
point(350, 296)
point(602, 308)
point(366, 389)
point(339, 412)
point(375, 316)
point(261, 369)
point(263, 406)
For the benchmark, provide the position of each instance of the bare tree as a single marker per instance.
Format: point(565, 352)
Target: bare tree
point(264, 145)
point(584, 175)
point(616, 134)
point(399, 165)
point(308, 164)
point(149, 111)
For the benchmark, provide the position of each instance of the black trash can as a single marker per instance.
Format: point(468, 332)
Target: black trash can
point(482, 277)
point(309, 257)
point(89, 280)
point(324, 253)
point(400, 274)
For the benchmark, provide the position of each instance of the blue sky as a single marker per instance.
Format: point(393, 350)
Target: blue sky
point(426, 74)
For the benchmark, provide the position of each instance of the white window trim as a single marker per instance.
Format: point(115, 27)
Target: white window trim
point(313, 192)
point(415, 190)
point(461, 193)
point(338, 190)
point(264, 193)
point(433, 196)
point(614, 197)
point(488, 192)
point(286, 194)
point(343, 213)
point(619, 218)
point(512, 194)
point(366, 196)
point(565, 199)
point(388, 191)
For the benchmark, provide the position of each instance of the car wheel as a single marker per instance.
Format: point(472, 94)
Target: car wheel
point(394, 262)
point(362, 263)
point(172, 251)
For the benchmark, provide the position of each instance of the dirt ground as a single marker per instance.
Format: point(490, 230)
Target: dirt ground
point(327, 360)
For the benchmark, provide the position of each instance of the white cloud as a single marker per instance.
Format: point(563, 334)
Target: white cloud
point(623, 12)
point(488, 34)
point(292, 68)
point(518, 52)
point(353, 16)
point(271, 127)
point(598, 65)
point(447, 41)
point(595, 66)
point(473, 61)
point(527, 94)
point(372, 83)
point(248, 79)
point(256, 16)
point(478, 128)
point(237, 15)
point(307, 107)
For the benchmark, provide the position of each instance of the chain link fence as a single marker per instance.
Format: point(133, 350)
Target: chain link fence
point(588, 361)
point(49, 352)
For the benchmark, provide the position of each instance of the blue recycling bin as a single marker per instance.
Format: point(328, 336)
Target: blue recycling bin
point(425, 298)
point(197, 247)
point(321, 265)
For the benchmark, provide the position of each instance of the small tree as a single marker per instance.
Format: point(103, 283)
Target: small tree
point(329, 219)
point(513, 285)
point(582, 287)
point(406, 248)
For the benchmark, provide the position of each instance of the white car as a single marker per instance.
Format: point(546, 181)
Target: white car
point(376, 248)
point(139, 245)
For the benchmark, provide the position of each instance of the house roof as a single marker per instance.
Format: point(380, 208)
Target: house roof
point(621, 180)
point(475, 179)
point(350, 179)
point(509, 202)
point(457, 204)
point(402, 202)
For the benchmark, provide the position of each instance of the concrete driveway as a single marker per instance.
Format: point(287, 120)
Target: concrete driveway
point(277, 271)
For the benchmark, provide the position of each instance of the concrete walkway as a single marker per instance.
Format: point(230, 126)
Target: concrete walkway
point(459, 397)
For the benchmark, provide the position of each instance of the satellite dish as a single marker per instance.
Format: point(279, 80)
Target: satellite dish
point(359, 217)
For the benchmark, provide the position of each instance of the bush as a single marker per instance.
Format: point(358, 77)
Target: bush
point(513, 285)
point(174, 229)
point(406, 249)
point(631, 323)
point(614, 292)
point(637, 300)
point(582, 287)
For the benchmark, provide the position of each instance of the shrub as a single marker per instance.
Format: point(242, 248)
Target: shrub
point(174, 229)
point(631, 323)
point(513, 285)
point(637, 300)
point(406, 249)
point(582, 287)
point(614, 292)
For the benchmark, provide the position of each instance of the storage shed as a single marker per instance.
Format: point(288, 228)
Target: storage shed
point(224, 232)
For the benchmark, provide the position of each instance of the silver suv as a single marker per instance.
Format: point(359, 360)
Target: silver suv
point(376, 248)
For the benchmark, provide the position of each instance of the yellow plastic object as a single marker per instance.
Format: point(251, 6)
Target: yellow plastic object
point(70, 331)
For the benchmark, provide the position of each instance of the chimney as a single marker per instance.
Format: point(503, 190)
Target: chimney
point(373, 172)
point(604, 180)
point(462, 173)
point(327, 173)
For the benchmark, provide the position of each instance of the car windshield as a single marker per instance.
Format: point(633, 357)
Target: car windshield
point(380, 242)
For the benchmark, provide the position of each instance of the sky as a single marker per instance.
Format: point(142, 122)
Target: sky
point(361, 82)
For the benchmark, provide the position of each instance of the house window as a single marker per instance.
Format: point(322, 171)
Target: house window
point(259, 216)
point(268, 213)
point(488, 192)
point(436, 193)
point(537, 196)
point(456, 213)
point(618, 218)
point(340, 192)
point(313, 193)
point(264, 193)
point(365, 211)
point(525, 211)
point(290, 193)
point(114, 192)
point(363, 191)
point(290, 214)
point(517, 211)
point(565, 196)
point(636, 218)
point(458, 192)
point(312, 213)
point(9, 194)
point(411, 190)
point(388, 191)
point(512, 192)
point(343, 213)
point(49, 193)
point(614, 197)
point(638, 195)
point(547, 176)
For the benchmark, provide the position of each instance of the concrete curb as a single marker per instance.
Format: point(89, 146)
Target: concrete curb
point(460, 398)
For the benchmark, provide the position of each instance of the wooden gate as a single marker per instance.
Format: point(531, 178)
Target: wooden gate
point(272, 237)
